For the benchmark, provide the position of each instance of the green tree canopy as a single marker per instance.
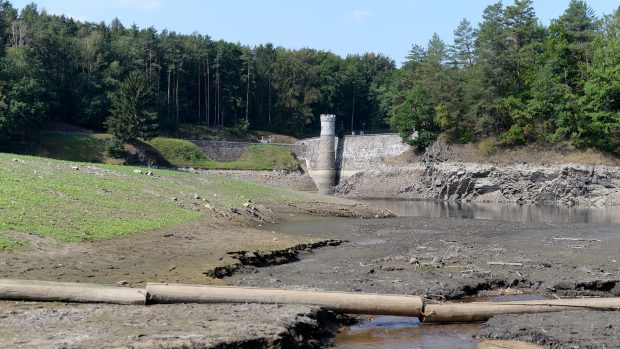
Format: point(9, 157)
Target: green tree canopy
point(131, 113)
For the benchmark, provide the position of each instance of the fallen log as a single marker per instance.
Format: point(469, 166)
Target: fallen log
point(506, 263)
point(482, 311)
point(576, 239)
point(344, 302)
point(49, 291)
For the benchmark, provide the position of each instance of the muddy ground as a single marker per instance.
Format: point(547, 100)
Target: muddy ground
point(198, 252)
point(51, 325)
point(437, 258)
point(447, 259)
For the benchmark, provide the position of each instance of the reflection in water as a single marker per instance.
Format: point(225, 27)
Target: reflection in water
point(393, 332)
point(504, 212)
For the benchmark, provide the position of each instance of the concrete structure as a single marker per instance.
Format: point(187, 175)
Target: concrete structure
point(325, 173)
point(353, 154)
point(231, 151)
point(329, 159)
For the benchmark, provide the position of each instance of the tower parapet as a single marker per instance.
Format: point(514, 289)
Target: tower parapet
point(325, 176)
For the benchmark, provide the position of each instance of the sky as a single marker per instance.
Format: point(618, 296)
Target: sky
point(344, 27)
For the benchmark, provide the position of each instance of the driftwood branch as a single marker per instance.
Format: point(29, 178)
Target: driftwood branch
point(506, 263)
point(576, 239)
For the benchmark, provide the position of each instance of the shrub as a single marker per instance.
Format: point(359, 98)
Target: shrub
point(487, 146)
point(116, 148)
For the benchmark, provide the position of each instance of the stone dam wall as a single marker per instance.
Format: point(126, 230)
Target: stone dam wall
point(353, 153)
point(230, 151)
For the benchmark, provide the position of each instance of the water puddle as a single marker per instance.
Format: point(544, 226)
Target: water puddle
point(394, 332)
point(369, 242)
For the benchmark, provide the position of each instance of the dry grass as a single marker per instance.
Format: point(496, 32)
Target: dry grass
point(488, 152)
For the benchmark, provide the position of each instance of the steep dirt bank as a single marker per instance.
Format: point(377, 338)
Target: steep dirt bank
point(570, 184)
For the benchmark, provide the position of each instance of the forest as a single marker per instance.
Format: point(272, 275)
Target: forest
point(508, 78)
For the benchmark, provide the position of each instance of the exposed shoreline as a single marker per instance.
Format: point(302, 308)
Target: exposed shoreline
point(254, 244)
point(569, 184)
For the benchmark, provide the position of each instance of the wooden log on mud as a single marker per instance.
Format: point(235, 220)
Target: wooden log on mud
point(344, 302)
point(49, 291)
point(482, 311)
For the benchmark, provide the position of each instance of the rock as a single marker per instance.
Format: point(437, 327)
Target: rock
point(75, 168)
point(150, 174)
point(138, 171)
point(209, 207)
point(196, 196)
point(569, 185)
point(437, 263)
point(174, 199)
point(246, 205)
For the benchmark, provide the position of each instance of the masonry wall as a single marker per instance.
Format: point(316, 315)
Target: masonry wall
point(229, 151)
point(353, 153)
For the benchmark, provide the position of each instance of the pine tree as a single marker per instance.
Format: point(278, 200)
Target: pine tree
point(131, 111)
point(462, 51)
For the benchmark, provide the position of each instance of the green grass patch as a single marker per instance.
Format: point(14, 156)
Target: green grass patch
point(8, 243)
point(182, 153)
point(83, 147)
point(85, 202)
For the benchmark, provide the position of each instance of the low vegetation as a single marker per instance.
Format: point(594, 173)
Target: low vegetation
point(85, 147)
point(82, 147)
point(8, 243)
point(74, 202)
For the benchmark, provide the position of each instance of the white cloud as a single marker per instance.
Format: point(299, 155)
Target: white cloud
point(359, 16)
point(142, 4)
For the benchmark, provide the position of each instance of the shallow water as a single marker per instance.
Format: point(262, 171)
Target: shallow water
point(504, 212)
point(394, 332)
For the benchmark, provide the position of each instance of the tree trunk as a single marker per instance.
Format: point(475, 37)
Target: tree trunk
point(199, 93)
point(168, 98)
point(247, 94)
point(177, 96)
point(207, 90)
point(49, 291)
point(269, 101)
point(353, 111)
point(343, 302)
